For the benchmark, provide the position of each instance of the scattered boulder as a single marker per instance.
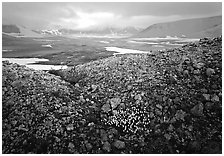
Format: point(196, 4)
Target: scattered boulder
point(103, 135)
point(194, 146)
point(94, 87)
point(106, 108)
point(115, 102)
point(71, 147)
point(200, 65)
point(180, 115)
point(106, 146)
point(215, 98)
point(197, 110)
point(209, 71)
point(170, 128)
point(167, 136)
point(70, 127)
point(89, 146)
point(208, 105)
point(119, 144)
point(206, 96)
point(129, 87)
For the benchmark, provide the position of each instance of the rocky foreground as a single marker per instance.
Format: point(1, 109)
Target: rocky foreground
point(167, 102)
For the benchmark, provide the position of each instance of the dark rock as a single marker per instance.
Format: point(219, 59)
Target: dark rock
point(210, 71)
point(82, 99)
point(206, 96)
point(196, 79)
point(187, 60)
point(129, 87)
point(17, 83)
point(196, 72)
point(91, 124)
point(208, 105)
point(82, 135)
point(103, 135)
point(215, 98)
point(119, 144)
point(212, 148)
point(194, 146)
point(203, 90)
point(165, 98)
point(159, 106)
point(197, 110)
point(70, 127)
point(170, 128)
point(113, 131)
point(158, 112)
point(115, 112)
point(138, 97)
point(22, 128)
point(106, 108)
point(89, 146)
point(151, 115)
point(186, 73)
point(167, 136)
point(71, 147)
point(106, 146)
point(190, 128)
point(180, 115)
point(77, 85)
point(24, 142)
point(214, 86)
point(94, 87)
point(176, 100)
point(115, 102)
point(57, 139)
point(172, 79)
point(200, 65)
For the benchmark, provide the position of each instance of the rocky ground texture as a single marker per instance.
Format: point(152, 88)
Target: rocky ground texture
point(166, 102)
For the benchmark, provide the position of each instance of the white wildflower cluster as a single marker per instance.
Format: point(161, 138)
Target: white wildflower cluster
point(134, 119)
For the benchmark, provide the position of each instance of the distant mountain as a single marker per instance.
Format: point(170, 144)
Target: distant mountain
point(50, 32)
point(104, 31)
point(10, 29)
point(192, 28)
point(19, 31)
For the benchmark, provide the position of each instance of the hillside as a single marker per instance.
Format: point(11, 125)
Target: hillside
point(10, 29)
point(191, 28)
point(166, 102)
point(19, 31)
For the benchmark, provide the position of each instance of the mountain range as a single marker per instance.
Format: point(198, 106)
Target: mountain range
point(16, 30)
point(190, 28)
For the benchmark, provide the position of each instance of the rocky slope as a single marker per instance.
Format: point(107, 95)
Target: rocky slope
point(167, 102)
point(191, 28)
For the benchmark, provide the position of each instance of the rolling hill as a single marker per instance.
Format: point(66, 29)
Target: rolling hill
point(19, 31)
point(191, 28)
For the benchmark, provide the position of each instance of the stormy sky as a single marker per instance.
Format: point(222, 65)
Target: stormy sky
point(88, 15)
